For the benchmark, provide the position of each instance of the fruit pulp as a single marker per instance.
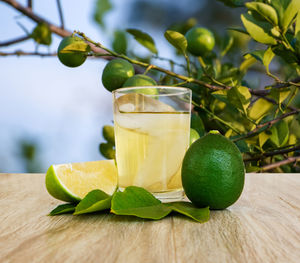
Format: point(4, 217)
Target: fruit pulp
point(150, 147)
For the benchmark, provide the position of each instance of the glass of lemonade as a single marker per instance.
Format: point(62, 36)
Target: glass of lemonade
point(152, 128)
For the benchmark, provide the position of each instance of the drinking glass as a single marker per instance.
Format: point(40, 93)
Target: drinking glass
point(152, 129)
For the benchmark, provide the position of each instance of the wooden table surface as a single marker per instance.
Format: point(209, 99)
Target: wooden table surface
point(263, 226)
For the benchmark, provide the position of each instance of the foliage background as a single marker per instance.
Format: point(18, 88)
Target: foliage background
point(61, 122)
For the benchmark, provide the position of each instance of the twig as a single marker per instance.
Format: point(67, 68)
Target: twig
point(267, 124)
point(169, 60)
point(55, 29)
point(24, 53)
point(14, 41)
point(280, 163)
point(61, 17)
point(29, 4)
point(146, 65)
point(268, 154)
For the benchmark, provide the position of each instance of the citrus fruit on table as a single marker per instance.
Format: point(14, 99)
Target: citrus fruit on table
point(213, 172)
point(72, 59)
point(71, 182)
point(200, 41)
point(115, 73)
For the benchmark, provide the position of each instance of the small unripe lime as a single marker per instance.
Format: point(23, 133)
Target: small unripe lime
point(73, 59)
point(200, 41)
point(115, 73)
point(194, 136)
point(139, 80)
point(107, 150)
point(108, 134)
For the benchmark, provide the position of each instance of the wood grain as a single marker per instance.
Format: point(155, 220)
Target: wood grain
point(263, 226)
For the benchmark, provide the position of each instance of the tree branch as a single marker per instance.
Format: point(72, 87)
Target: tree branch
point(14, 41)
point(267, 124)
point(278, 164)
point(55, 29)
point(146, 65)
point(24, 53)
point(29, 4)
point(268, 154)
point(61, 17)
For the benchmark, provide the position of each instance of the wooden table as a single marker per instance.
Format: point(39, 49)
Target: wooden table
point(263, 226)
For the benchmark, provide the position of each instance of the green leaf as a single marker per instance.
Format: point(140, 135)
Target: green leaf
point(287, 55)
point(102, 7)
point(262, 138)
point(264, 56)
point(144, 39)
point(266, 11)
point(297, 44)
point(76, 46)
point(94, 201)
point(259, 109)
point(177, 40)
point(239, 96)
point(267, 58)
point(252, 169)
point(119, 43)
point(290, 13)
point(63, 209)
point(42, 34)
point(188, 209)
point(280, 94)
point(297, 25)
point(226, 44)
point(280, 133)
point(239, 30)
point(221, 95)
point(249, 60)
point(259, 31)
point(242, 145)
point(136, 201)
point(197, 124)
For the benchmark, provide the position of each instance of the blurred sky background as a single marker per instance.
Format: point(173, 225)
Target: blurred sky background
point(61, 110)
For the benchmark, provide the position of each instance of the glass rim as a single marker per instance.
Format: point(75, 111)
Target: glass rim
point(179, 90)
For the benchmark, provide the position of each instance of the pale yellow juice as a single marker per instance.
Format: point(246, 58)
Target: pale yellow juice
point(150, 149)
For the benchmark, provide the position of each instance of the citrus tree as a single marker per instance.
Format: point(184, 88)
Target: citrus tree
point(263, 121)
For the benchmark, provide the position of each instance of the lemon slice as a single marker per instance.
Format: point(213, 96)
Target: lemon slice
point(71, 182)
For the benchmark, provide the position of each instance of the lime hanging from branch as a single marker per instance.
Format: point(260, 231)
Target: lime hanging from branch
point(115, 73)
point(200, 41)
point(72, 51)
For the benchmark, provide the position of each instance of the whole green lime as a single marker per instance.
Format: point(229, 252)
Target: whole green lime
point(74, 59)
point(200, 41)
point(115, 73)
point(194, 136)
point(213, 172)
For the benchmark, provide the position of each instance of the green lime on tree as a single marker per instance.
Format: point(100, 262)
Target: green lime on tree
point(115, 73)
point(194, 136)
point(109, 134)
point(200, 41)
point(140, 80)
point(213, 172)
point(72, 58)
